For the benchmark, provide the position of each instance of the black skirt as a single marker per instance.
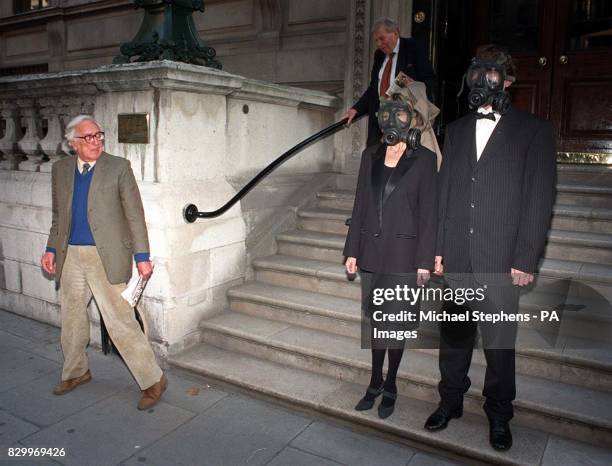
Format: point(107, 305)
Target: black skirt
point(389, 303)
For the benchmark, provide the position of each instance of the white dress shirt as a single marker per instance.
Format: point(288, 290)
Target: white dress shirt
point(393, 65)
point(80, 164)
point(484, 129)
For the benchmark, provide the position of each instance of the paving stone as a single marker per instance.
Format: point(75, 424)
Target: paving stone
point(300, 458)
point(110, 431)
point(425, 459)
point(236, 430)
point(193, 395)
point(26, 328)
point(568, 452)
point(348, 447)
point(13, 429)
point(8, 340)
point(19, 367)
point(36, 402)
point(27, 462)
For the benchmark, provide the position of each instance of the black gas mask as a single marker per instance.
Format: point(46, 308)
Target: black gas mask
point(394, 119)
point(485, 79)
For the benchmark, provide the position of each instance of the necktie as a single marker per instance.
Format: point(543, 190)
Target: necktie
point(385, 82)
point(488, 116)
point(86, 167)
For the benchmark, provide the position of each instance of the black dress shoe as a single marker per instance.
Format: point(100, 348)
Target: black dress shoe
point(440, 417)
point(387, 404)
point(368, 400)
point(500, 435)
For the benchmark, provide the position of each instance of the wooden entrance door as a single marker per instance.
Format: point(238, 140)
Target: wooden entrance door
point(563, 53)
point(581, 98)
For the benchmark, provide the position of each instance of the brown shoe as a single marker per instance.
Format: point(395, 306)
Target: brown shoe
point(70, 384)
point(151, 395)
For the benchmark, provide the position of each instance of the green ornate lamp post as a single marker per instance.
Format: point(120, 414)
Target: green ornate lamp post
point(168, 32)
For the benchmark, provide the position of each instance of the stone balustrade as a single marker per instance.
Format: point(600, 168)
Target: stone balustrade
point(34, 130)
point(209, 132)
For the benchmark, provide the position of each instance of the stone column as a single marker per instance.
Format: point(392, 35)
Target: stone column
point(350, 144)
point(51, 144)
point(398, 10)
point(30, 143)
point(12, 134)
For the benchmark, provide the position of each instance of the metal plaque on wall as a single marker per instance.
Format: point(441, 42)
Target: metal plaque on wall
point(133, 128)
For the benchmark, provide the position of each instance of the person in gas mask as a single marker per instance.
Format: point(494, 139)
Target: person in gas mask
point(497, 188)
point(391, 237)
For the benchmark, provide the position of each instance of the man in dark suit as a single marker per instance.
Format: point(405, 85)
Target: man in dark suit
point(393, 54)
point(497, 189)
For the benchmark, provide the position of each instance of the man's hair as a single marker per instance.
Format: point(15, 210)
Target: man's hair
point(71, 126)
point(497, 54)
point(76, 121)
point(385, 23)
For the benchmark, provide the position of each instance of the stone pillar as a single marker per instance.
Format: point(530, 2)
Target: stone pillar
point(398, 10)
point(349, 144)
point(30, 143)
point(12, 133)
point(269, 22)
point(56, 31)
point(51, 145)
point(360, 52)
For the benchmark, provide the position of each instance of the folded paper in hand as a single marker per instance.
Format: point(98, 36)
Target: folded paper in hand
point(134, 289)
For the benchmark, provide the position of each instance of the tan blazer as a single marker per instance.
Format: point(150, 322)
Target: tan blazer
point(115, 214)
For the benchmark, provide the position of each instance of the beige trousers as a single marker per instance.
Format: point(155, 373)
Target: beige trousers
point(83, 275)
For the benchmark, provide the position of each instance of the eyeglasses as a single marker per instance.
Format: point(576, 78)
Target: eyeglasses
point(89, 138)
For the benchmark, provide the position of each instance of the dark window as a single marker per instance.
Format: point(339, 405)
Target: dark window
point(21, 6)
point(27, 69)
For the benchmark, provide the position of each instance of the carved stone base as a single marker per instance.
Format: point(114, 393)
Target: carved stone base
point(10, 162)
point(30, 165)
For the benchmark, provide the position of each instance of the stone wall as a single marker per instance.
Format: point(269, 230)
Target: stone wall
point(284, 41)
point(209, 132)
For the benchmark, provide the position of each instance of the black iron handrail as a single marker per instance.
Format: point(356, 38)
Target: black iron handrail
point(191, 212)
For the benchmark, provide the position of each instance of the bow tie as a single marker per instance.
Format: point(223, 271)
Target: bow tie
point(488, 116)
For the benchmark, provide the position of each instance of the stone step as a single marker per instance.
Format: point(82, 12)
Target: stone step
point(336, 199)
point(575, 247)
point(579, 246)
point(581, 218)
point(581, 174)
point(586, 174)
point(312, 245)
point(582, 362)
point(569, 410)
point(466, 437)
point(584, 195)
point(593, 322)
point(567, 194)
point(565, 217)
point(562, 244)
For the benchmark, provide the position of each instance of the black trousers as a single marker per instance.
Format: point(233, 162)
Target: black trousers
point(457, 340)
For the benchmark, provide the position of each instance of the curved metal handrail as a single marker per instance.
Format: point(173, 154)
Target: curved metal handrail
point(191, 212)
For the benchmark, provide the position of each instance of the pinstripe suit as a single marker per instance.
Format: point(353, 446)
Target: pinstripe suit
point(494, 214)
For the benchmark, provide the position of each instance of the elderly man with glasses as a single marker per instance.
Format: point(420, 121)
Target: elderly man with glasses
point(98, 228)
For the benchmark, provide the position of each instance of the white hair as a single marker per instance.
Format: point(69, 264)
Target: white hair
point(70, 128)
point(387, 24)
point(76, 121)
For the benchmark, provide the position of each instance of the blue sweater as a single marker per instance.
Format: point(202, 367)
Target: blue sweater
point(80, 232)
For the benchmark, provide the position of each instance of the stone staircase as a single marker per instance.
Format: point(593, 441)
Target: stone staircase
point(293, 334)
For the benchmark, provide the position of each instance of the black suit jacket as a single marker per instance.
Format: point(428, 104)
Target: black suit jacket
point(393, 230)
point(494, 213)
point(412, 60)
